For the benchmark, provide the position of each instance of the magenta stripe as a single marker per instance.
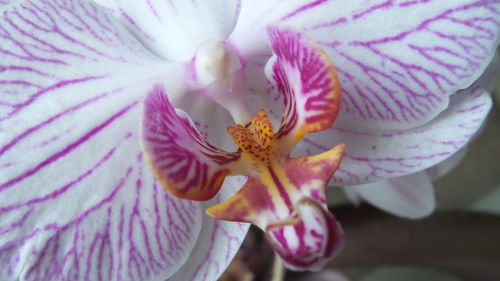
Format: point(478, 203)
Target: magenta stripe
point(386, 4)
point(56, 86)
point(304, 8)
point(63, 189)
point(281, 190)
point(68, 149)
point(29, 131)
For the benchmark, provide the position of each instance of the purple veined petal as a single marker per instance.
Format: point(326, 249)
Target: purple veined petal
point(77, 202)
point(215, 249)
point(410, 196)
point(307, 82)
point(376, 155)
point(394, 74)
point(181, 158)
point(174, 29)
point(6, 2)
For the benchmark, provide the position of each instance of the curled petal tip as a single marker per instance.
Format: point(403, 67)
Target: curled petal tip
point(308, 239)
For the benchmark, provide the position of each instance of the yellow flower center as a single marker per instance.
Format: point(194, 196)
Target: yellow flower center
point(256, 138)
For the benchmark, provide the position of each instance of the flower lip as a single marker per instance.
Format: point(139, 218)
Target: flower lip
point(308, 238)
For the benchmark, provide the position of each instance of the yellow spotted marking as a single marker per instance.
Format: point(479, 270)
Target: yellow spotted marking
point(256, 138)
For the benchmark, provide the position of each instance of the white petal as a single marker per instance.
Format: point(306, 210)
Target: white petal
point(352, 196)
point(396, 72)
point(444, 167)
point(214, 249)
point(6, 2)
point(377, 155)
point(76, 200)
point(491, 75)
point(174, 29)
point(410, 196)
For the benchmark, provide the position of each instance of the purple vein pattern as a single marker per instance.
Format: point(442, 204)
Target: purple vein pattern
point(398, 61)
point(214, 252)
point(314, 105)
point(5, 2)
point(377, 155)
point(77, 201)
point(181, 158)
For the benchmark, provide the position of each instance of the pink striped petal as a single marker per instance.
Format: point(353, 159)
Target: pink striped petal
point(307, 82)
point(410, 196)
point(5, 2)
point(394, 74)
point(77, 202)
point(310, 238)
point(376, 155)
point(214, 251)
point(183, 161)
point(174, 29)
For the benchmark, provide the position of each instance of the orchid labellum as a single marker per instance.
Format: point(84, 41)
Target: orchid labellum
point(122, 122)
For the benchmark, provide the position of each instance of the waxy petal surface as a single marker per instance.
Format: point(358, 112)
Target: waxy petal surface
point(174, 29)
point(307, 82)
point(5, 2)
point(394, 74)
point(77, 201)
point(215, 249)
point(183, 161)
point(376, 155)
point(410, 196)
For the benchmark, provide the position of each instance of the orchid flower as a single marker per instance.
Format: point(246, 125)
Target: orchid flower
point(111, 110)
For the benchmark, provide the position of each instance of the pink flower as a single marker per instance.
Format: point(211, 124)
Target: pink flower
point(77, 199)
